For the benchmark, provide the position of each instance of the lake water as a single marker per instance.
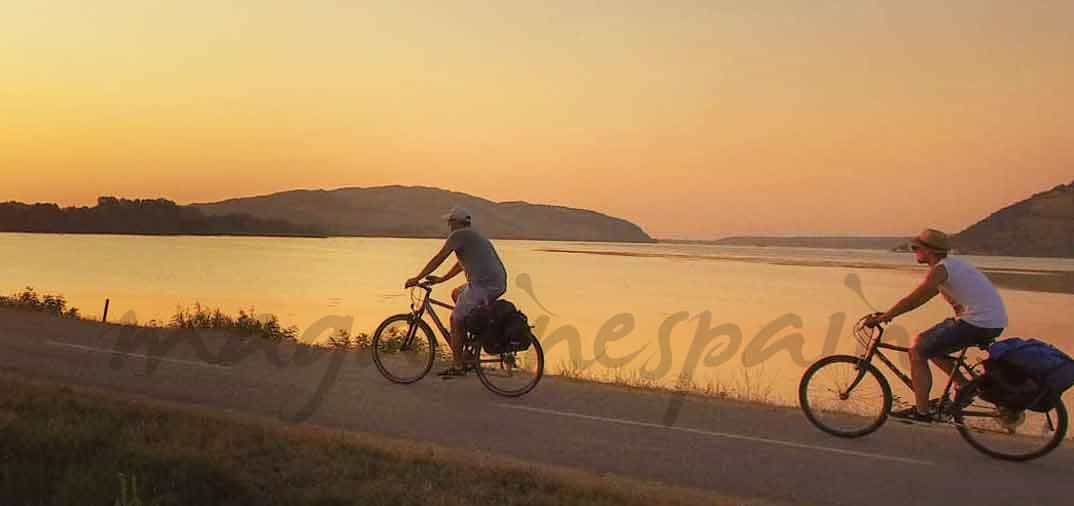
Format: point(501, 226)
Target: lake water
point(580, 295)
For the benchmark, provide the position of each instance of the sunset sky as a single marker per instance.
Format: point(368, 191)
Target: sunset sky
point(692, 118)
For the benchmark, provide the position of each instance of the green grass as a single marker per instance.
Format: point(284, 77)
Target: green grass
point(60, 446)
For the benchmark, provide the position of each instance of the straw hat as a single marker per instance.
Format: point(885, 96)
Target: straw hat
point(932, 239)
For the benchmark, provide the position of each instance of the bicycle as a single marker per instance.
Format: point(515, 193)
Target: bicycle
point(847, 396)
point(405, 348)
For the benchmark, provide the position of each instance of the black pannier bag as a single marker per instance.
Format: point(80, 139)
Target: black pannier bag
point(518, 335)
point(477, 322)
point(501, 327)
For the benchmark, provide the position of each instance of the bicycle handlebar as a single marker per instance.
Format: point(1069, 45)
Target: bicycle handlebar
point(877, 325)
point(427, 283)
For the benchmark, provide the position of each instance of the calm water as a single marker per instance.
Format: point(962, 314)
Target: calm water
point(571, 296)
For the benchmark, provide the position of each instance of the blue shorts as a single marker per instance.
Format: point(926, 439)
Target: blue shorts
point(952, 335)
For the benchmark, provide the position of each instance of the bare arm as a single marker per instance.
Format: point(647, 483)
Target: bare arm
point(433, 264)
point(452, 273)
point(928, 289)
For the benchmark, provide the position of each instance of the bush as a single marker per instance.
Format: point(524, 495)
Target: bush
point(247, 324)
point(29, 300)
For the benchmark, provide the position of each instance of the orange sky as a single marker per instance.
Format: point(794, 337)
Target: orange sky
point(692, 118)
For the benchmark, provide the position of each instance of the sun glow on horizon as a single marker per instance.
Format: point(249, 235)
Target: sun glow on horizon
point(690, 119)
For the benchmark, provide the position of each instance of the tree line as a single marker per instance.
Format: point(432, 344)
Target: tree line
point(139, 216)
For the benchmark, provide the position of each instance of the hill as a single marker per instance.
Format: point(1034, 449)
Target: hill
point(415, 211)
point(1040, 226)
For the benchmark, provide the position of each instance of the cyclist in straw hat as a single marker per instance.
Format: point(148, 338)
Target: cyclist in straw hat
point(980, 315)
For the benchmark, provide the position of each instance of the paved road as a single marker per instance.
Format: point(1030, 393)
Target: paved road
point(731, 448)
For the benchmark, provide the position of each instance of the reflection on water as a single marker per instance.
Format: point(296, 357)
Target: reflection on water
point(649, 312)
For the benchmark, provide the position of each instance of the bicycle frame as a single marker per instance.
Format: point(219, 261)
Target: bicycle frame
point(877, 344)
point(426, 306)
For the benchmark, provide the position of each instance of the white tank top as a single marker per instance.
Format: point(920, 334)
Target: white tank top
point(976, 301)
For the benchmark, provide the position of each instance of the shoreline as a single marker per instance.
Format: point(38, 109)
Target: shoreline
point(148, 234)
point(317, 236)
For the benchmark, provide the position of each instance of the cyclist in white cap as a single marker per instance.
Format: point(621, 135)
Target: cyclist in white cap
point(486, 277)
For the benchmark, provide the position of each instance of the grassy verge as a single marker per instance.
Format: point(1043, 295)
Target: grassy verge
point(62, 446)
point(748, 387)
point(247, 323)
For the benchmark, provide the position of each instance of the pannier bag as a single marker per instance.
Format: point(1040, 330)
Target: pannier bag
point(501, 327)
point(1026, 373)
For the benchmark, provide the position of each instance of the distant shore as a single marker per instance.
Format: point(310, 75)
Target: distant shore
point(189, 234)
point(315, 236)
point(887, 243)
point(1046, 281)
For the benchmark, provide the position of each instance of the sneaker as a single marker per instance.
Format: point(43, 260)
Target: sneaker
point(934, 404)
point(953, 406)
point(910, 415)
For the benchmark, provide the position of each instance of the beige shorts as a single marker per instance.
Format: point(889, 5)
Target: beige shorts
point(471, 297)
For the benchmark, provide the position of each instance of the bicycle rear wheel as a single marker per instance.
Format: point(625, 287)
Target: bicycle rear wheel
point(404, 348)
point(1008, 434)
point(512, 374)
point(844, 397)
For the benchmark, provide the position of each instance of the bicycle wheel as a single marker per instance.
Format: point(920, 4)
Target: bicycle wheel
point(842, 399)
point(512, 374)
point(404, 348)
point(1008, 434)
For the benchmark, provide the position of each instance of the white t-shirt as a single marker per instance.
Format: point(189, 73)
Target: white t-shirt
point(976, 301)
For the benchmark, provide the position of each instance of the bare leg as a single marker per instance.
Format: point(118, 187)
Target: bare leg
point(457, 335)
point(948, 366)
point(921, 376)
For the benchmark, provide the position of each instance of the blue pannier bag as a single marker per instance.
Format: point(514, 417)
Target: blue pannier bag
point(1045, 364)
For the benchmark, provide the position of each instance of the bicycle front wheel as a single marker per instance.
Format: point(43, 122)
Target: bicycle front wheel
point(844, 397)
point(512, 374)
point(1006, 434)
point(404, 348)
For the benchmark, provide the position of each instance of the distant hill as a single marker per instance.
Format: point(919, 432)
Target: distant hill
point(883, 243)
point(415, 211)
point(146, 217)
point(1040, 226)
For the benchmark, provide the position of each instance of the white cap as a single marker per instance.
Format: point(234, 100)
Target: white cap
point(458, 214)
